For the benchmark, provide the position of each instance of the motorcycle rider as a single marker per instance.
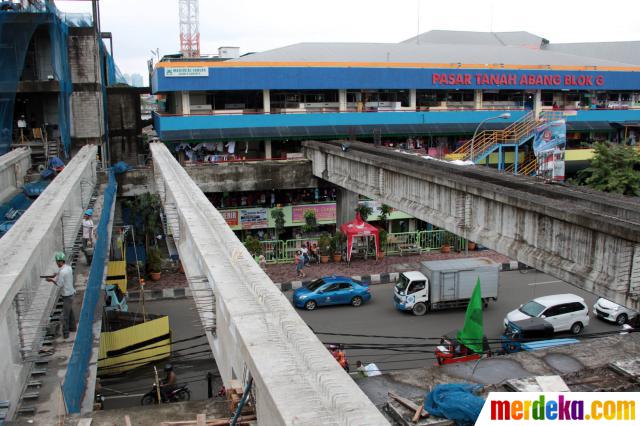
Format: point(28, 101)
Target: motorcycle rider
point(168, 383)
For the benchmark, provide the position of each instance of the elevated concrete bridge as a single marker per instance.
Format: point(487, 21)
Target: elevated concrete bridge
point(251, 327)
point(50, 224)
point(14, 166)
point(584, 237)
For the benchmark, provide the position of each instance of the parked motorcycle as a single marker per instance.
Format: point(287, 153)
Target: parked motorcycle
point(180, 393)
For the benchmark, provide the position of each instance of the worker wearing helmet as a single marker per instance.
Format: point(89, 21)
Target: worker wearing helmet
point(169, 382)
point(64, 279)
point(88, 229)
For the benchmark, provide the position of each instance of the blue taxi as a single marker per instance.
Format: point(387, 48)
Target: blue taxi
point(331, 290)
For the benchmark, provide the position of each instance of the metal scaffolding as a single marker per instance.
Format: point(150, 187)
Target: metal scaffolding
point(189, 32)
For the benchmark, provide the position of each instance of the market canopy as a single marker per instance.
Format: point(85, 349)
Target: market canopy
point(358, 228)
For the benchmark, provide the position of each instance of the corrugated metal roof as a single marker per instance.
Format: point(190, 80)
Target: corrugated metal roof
point(422, 53)
point(511, 38)
point(621, 51)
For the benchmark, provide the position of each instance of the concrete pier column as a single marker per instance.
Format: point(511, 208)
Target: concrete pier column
point(186, 103)
point(537, 103)
point(342, 100)
point(412, 99)
point(266, 101)
point(346, 203)
point(477, 99)
point(267, 149)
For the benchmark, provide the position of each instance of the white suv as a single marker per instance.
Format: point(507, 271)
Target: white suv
point(610, 311)
point(565, 312)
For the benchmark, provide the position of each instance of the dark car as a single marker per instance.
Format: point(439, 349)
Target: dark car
point(332, 290)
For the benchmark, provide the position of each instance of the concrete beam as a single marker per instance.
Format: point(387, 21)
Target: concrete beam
point(49, 225)
point(14, 166)
point(257, 330)
point(229, 177)
point(587, 238)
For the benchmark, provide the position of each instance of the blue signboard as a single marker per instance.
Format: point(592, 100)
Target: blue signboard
point(295, 77)
point(549, 135)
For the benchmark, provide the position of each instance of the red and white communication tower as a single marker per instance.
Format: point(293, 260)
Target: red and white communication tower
point(189, 32)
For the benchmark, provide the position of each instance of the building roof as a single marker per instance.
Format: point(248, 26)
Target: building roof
point(424, 53)
point(621, 51)
point(511, 38)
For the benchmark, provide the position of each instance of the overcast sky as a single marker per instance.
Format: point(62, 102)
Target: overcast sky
point(138, 26)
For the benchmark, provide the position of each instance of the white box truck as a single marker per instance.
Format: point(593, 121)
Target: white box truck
point(443, 284)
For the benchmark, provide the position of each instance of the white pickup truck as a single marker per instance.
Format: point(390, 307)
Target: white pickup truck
point(443, 284)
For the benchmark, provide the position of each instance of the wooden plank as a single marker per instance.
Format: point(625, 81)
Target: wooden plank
point(408, 403)
point(127, 420)
point(417, 415)
point(201, 420)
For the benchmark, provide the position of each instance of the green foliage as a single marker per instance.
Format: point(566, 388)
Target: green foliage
point(154, 259)
point(310, 222)
point(614, 168)
point(385, 211)
point(324, 244)
point(253, 245)
point(278, 218)
point(384, 235)
point(336, 242)
point(365, 211)
point(145, 213)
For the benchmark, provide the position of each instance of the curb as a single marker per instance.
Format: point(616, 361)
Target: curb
point(375, 279)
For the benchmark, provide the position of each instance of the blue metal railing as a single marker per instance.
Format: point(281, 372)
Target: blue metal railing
point(74, 385)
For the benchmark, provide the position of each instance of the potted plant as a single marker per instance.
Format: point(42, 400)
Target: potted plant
point(336, 246)
point(154, 262)
point(446, 243)
point(471, 246)
point(385, 211)
point(310, 222)
point(384, 235)
point(324, 246)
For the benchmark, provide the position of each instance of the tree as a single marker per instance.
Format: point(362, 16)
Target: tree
point(614, 168)
point(278, 219)
point(365, 211)
point(145, 216)
point(385, 211)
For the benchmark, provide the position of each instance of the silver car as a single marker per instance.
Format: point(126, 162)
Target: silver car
point(610, 311)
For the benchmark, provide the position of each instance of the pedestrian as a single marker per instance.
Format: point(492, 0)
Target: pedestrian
point(88, 229)
point(64, 279)
point(305, 253)
point(299, 264)
point(262, 261)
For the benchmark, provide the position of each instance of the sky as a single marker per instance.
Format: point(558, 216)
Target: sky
point(139, 26)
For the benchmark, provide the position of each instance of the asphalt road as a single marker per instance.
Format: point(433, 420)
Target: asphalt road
point(127, 390)
point(379, 317)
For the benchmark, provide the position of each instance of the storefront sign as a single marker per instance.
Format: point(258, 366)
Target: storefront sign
point(186, 72)
point(253, 218)
point(516, 79)
point(324, 212)
point(231, 217)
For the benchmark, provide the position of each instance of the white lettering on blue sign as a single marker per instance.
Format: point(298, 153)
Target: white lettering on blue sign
point(186, 72)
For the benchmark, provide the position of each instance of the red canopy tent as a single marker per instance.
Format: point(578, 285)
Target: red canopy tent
point(358, 228)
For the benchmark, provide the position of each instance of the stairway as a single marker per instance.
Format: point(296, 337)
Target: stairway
point(529, 166)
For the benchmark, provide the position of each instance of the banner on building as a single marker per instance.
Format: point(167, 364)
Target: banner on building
point(231, 217)
point(551, 164)
point(324, 212)
point(550, 135)
point(254, 218)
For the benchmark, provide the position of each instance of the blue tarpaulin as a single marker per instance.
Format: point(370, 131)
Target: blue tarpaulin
point(120, 167)
point(456, 402)
point(11, 211)
point(34, 189)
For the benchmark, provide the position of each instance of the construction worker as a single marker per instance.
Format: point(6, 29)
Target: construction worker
point(64, 279)
point(88, 229)
point(340, 357)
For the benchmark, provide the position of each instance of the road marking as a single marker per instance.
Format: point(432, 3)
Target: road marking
point(545, 282)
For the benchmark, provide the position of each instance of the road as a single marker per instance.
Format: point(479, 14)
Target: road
point(126, 391)
point(379, 317)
